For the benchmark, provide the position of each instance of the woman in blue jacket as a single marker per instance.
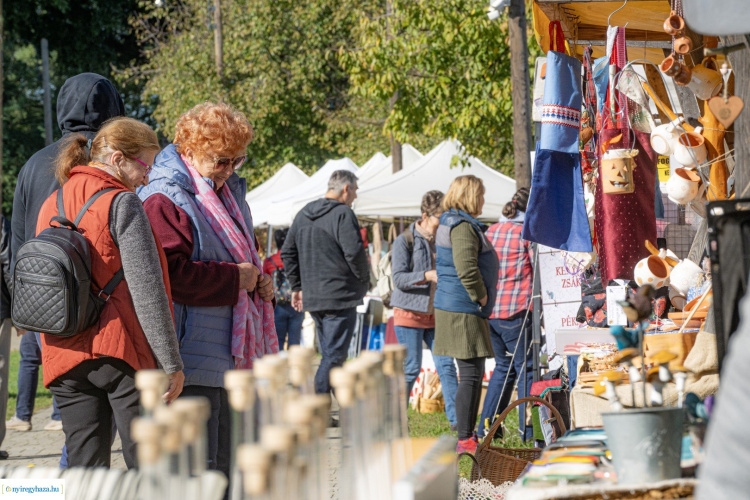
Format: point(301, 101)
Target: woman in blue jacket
point(415, 280)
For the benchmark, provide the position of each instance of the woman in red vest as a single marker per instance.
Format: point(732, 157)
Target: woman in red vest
point(92, 373)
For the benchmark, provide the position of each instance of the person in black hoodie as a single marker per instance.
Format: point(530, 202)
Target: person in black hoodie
point(326, 263)
point(84, 103)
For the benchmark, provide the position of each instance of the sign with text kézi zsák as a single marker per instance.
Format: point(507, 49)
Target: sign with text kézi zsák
point(561, 292)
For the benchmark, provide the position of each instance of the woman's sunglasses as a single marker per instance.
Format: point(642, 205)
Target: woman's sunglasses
point(223, 163)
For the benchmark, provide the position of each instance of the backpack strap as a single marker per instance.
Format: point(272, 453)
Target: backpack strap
point(110, 287)
point(409, 238)
point(62, 219)
point(86, 205)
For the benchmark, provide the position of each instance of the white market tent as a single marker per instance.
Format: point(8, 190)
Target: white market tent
point(287, 177)
point(400, 194)
point(280, 210)
point(372, 166)
point(380, 167)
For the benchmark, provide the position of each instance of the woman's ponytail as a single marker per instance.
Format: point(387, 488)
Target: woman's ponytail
point(75, 150)
point(516, 204)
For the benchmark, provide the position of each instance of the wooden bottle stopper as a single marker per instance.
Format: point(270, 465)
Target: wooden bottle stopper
point(152, 385)
point(147, 433)
point(240, 388)
point(282, 372)
point(194, 412)
point(399, 353)
point(299, 416)
point(389, 363)
point(300, 364)
point(320, 405)
point(254, 462)
point(360, 369)
point(277, 439)
point(343, 381)
point(266, 371)
point(171, 439)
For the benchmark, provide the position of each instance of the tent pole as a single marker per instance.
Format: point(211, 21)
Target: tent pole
point(536, 335)
point(269, 238)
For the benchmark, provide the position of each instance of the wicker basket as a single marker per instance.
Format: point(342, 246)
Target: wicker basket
point(506, 464)
point(430, 405)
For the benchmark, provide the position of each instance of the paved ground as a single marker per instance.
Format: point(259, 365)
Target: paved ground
point(38, 447)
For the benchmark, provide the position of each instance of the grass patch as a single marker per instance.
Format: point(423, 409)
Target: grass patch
point(436, 424)
point(43, 397)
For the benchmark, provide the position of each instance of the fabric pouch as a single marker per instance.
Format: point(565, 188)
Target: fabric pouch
point(561, 105)
point(556, 213)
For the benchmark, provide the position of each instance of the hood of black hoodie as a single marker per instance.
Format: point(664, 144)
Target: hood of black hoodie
point(86, 101)
point(318, 208)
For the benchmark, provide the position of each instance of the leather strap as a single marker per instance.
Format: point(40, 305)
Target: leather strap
point(86, 205)
point(62, 219)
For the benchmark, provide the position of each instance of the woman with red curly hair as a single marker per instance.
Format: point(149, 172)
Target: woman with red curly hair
point(222, 300)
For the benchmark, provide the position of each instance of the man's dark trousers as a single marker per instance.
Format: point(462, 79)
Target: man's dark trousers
point(334, 329)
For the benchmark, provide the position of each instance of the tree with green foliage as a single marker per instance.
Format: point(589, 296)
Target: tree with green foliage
point(84, 36)
point(448, 67)
point(280, 68)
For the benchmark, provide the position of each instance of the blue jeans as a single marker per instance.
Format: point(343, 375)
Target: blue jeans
point(505, 334)
point(334, 329)
point(28, 378)
point(412, 338)
point(288, 323)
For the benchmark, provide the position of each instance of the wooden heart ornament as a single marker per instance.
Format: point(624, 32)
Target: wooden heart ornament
point(726, 111)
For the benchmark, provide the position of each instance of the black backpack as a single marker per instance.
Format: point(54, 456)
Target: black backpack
point(52, 279)
point(282, 289)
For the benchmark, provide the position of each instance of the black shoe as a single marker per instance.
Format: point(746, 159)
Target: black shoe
point(3, 455)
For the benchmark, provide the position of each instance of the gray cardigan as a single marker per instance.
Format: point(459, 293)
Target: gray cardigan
point(411, 292)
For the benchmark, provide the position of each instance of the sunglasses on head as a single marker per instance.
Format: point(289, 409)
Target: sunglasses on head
point(223, 162)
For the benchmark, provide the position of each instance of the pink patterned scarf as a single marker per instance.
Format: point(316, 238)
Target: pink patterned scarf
point(253, 328)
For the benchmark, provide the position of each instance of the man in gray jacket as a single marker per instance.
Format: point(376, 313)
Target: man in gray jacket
point(326, 263)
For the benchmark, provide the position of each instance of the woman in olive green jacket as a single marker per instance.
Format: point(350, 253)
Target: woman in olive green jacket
point(467, 270)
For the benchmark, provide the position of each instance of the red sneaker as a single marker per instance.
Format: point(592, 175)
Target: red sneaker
point(468, 445)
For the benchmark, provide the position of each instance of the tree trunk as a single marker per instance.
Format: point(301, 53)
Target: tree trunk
point(47, 94)
point(2, 79)
point(218, 40)
point(519, 75)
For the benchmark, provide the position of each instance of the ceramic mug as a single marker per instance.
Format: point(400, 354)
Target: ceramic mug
point(682, 45)
point(670, 66)
point(690, 149)
point(664, 137)
point(652, 271)
point(682, 186)
point(674, 24)
point(705, 82)
point(683, 276)
point(683, 76)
